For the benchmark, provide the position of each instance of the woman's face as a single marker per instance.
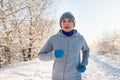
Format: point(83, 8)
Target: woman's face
point(67, 25)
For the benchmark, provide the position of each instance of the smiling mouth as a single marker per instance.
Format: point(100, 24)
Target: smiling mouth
point(67, 27)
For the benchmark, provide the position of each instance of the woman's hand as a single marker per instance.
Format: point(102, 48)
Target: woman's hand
point(81, 68)
point(59, 53)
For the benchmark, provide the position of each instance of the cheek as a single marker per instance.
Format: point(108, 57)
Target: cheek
point(63, 24)
point(72, 24)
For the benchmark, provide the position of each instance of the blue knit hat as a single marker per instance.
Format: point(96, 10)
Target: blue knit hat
point(67, 15)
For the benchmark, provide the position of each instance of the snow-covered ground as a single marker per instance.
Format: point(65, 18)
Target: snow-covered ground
point(100, 68)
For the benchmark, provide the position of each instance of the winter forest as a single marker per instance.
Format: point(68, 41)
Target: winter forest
point(25, 25)
point(22, 27)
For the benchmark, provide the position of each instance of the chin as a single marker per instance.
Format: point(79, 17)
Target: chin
point(67, 30)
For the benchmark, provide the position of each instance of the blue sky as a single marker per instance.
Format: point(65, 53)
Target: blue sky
point(93, 17)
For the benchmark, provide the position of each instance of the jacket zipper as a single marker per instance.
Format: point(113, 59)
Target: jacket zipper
point(66, 58)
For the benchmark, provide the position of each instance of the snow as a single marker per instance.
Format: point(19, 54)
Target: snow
point(100, 67)
point(32, 70)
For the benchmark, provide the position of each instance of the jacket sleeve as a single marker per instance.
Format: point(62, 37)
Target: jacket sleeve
point(46, 53)
point(85, 51)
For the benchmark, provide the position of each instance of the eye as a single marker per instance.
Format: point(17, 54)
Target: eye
point(69, 20)
point(63, 20)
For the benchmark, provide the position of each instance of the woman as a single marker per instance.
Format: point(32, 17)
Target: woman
point(64, 48)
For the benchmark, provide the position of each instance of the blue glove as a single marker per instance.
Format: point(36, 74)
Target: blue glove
point(81, 68)
point(59, 53)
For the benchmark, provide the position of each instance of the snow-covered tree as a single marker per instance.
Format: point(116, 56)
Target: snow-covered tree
point(23, 26)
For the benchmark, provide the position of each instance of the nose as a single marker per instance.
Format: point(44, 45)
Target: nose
point(66, 23)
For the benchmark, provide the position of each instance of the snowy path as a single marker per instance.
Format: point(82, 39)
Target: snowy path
point(102, 68)
point(33, 70)
point(99, 68)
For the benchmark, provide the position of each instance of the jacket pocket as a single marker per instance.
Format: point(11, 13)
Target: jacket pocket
point(60, 60)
